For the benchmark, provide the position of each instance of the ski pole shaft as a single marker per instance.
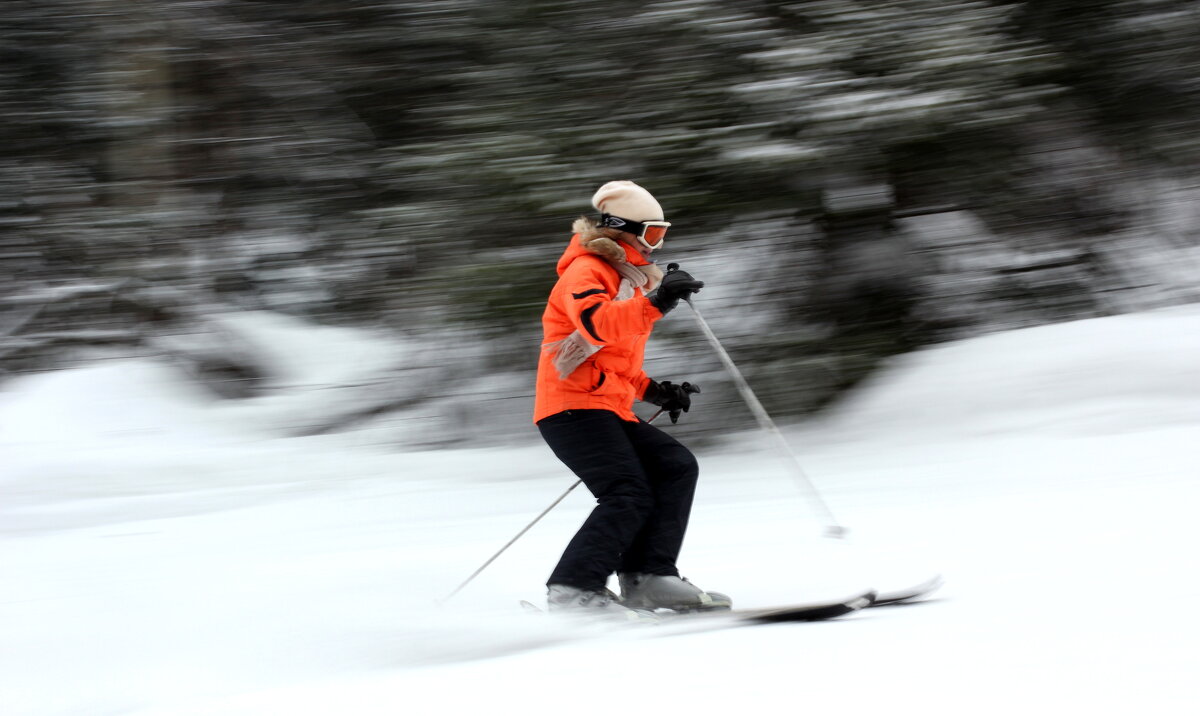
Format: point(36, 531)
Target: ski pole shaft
point(832, 528)
point(520, 534)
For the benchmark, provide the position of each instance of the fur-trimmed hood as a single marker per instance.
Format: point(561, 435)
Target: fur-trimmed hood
point(603, 242)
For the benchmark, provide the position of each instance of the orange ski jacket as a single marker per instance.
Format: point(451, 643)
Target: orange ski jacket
point(583, 299)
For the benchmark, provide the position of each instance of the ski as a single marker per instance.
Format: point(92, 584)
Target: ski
point(805, 612)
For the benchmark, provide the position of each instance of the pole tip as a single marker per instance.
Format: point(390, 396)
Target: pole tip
point(837, 532)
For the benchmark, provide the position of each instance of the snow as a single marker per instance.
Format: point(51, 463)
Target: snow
point(163, 552)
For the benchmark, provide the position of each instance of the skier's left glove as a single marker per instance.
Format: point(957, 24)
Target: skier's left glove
point(675, 285)
point(672, 398)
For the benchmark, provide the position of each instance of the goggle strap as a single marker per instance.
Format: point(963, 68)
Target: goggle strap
point(615, 222)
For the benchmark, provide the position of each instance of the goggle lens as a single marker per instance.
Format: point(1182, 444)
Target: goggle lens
point(654, 234)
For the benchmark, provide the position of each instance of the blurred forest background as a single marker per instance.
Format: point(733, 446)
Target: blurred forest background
point(853, 180)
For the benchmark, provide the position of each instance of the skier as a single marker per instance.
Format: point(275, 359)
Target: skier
point(596, 324)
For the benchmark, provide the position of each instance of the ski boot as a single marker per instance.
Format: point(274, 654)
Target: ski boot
point(657, 591)
point(602, 603)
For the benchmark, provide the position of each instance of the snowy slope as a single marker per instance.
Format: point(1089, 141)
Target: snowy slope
point(163, 553)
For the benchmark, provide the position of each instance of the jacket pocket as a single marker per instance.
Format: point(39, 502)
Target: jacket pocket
point(599, 382)
point(587, 378)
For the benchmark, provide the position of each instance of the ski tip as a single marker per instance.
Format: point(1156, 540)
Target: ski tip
point(910, 595)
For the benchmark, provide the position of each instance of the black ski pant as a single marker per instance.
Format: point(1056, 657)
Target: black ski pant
point(643, 481)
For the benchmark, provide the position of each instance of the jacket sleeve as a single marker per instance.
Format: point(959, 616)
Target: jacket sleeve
point(588, 304)
point(640, 384)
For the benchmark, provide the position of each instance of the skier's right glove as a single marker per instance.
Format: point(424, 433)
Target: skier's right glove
point(674, 399)
point(676, 284)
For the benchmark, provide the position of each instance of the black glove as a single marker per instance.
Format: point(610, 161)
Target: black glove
point(675, 285)
point(674, 399)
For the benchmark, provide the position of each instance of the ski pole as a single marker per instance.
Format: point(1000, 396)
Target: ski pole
point(832, 528)
point(518, 536)
point(491, 559)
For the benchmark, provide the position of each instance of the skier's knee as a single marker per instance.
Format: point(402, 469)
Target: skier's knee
point(684, 467)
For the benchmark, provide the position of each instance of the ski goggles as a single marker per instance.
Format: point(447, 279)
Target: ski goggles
point(650, 234)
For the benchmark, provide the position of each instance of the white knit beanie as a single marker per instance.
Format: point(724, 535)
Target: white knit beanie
point(628, 201)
